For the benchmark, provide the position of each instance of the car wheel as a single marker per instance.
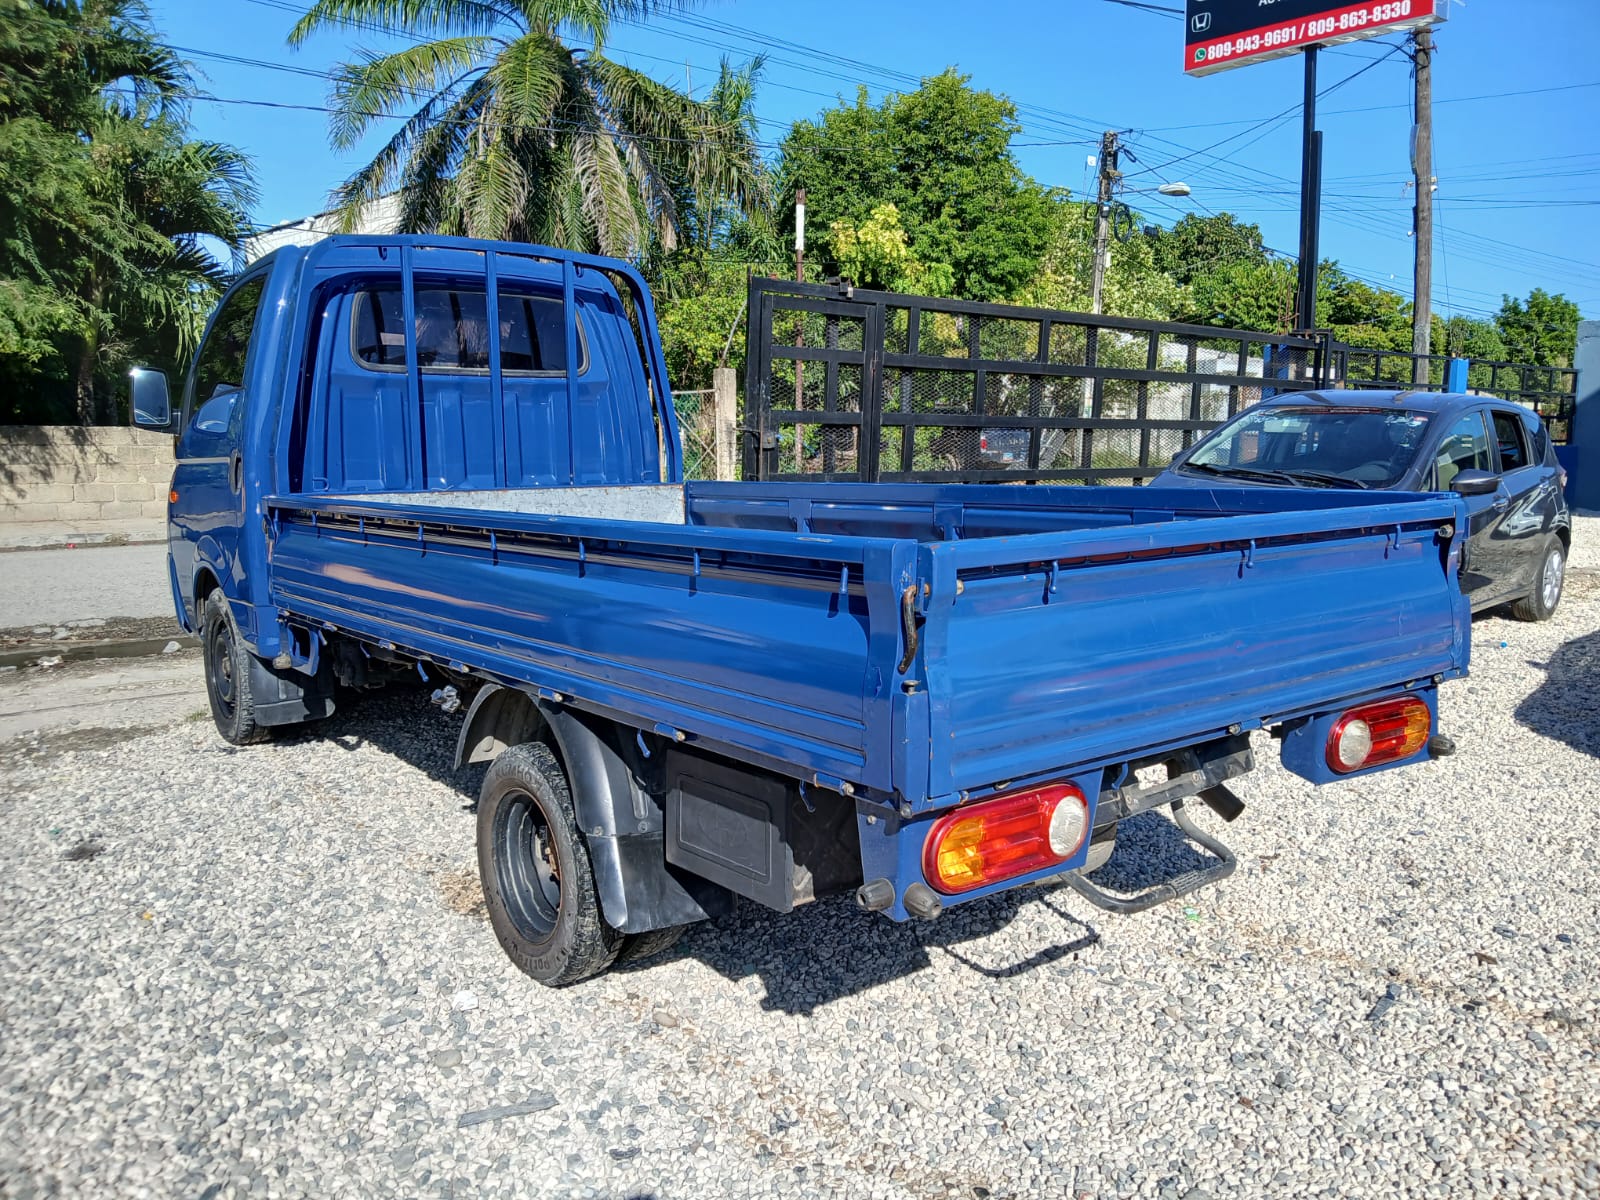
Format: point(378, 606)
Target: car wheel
point(538, 883)
point(233, 703)
point(1540, 603)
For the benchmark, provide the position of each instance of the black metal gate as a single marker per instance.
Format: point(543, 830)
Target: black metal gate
point(849, 384)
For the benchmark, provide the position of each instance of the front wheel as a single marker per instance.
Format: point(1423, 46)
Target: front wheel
point(233, 702)
point(538, 884)
point(1540, 603)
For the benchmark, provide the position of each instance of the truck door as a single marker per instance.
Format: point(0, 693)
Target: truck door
point(209, 476)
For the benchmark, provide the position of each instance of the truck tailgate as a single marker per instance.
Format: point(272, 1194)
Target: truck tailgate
point(1051, 649)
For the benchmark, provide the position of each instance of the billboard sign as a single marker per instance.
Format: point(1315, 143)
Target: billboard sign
point(1222, 34)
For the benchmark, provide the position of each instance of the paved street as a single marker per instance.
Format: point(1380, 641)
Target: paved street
point(51, 587)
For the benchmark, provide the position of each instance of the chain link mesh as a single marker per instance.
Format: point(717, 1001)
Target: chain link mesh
point(697, 430)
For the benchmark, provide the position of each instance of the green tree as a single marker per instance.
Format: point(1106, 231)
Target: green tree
point(1135, 286)
point(1244, 295)
point(514, 130)
point(1543, 330)
point(1197, 246)
point(1467, 337)
point(876, 254)
point(1359, 314)
point(104, 205)
point(941, 155)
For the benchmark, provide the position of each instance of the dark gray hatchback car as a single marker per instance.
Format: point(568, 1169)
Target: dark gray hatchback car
point(1494, 454)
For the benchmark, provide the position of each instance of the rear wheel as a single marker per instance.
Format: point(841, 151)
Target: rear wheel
point(538, 884)
point(636, 947)
point(1540, 603)
point(228, 686)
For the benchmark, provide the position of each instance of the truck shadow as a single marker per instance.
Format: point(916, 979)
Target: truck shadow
point(828, 950)
point(1562, 707)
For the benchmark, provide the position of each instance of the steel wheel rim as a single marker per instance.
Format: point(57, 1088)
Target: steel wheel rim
point(219, 648)
point(527, 870)
point(1555, 569)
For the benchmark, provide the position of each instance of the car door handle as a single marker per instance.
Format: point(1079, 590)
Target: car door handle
point(1501, 503)
point(235, 470)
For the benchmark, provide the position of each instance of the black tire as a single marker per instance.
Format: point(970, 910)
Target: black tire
point(538, 883)
point(227, 665)
point(1541, 601)
point(636, 947)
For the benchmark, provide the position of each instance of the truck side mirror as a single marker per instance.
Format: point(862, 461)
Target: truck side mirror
point(149, 400)
point(1472, 482)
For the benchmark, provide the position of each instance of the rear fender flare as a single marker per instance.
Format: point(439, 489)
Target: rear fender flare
point(621, 820)
point(606, 793)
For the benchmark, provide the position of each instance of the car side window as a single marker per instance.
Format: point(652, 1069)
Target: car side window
point(1511, 440)
point(1541, 439)
point(220, 365)
point(1465, 448)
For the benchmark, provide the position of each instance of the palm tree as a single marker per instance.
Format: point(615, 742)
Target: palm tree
point(105, 204)
point(517, 126)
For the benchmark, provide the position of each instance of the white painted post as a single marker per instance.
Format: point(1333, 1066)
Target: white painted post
point(725, 418)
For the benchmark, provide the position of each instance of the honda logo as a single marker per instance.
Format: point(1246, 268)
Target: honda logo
point(1201, 22)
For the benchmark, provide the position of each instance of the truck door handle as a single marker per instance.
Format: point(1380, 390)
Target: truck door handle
point(235, 470)
point(1501, 503)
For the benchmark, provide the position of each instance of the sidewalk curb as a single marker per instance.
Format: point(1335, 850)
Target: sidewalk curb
point(67, 652)
point(83, 541)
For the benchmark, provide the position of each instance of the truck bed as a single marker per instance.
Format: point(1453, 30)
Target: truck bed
point(913, 641)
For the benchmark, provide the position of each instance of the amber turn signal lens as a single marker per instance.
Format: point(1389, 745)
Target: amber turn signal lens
point(172, 496)
point(1000, 839)
point(1383, 732)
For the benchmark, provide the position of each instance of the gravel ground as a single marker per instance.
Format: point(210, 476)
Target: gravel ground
point(263, 972)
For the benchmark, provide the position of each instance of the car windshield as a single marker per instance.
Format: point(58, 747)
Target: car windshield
point(1305, 446)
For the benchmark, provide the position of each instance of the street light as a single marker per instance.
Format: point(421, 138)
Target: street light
point(1174, 189)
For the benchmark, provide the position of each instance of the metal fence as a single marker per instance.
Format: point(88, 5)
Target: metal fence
point(698, 432)
point(850, 384)
point(1552, 392)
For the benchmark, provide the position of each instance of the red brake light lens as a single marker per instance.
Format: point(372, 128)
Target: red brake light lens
point(1383, 732)
point(1001, 839)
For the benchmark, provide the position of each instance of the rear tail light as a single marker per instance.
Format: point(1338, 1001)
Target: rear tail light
point(1001, 839)
point(1383, 732)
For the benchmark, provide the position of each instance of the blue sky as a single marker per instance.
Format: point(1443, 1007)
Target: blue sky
point(1519, 174)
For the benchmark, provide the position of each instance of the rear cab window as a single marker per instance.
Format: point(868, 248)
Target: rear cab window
point(452, 331)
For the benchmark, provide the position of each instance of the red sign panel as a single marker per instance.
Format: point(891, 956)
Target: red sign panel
point(1222, 34)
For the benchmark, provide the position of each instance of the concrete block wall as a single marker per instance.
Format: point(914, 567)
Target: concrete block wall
point(83, 473)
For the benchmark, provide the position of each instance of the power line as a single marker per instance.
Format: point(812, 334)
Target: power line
point(1284, 115)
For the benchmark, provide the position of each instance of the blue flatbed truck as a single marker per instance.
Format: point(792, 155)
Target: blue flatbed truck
point(459, 459)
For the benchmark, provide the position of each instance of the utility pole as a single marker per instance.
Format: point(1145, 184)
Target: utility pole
point(1422, 227)
point(1102, 220)
point(1310, 200)
point(800, 329)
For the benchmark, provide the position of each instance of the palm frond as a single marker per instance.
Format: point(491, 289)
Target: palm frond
point(412, 17)
point(382, 85)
